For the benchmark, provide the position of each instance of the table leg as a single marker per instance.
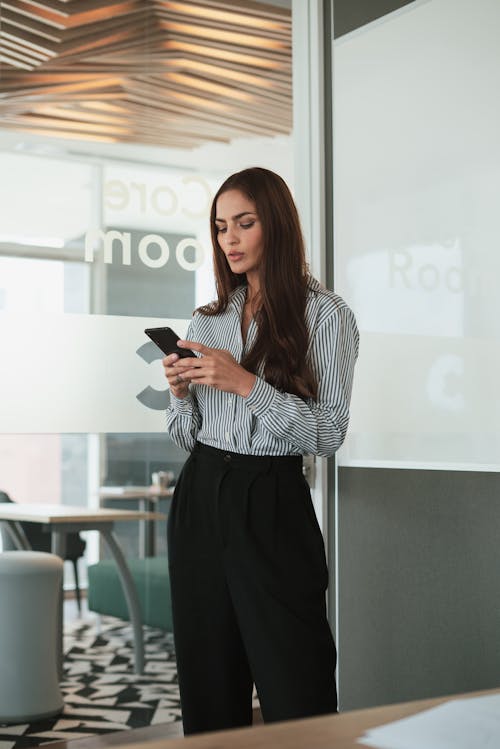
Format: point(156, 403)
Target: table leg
point(58, 547)
point(147, 537)
point(131, 597)
point(58, 543)
point(143, 530)
point(151, 531)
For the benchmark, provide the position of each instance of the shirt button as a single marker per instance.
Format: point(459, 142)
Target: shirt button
point(227, 435)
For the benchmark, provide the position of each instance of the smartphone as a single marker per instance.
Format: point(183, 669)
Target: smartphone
point(166, 340)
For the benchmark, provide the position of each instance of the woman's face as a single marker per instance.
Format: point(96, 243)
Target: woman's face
point(239, 231)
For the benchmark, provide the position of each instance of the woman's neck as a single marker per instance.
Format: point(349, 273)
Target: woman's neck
point(253, 291)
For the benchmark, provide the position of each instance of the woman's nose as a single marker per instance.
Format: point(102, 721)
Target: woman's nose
point(231, 236)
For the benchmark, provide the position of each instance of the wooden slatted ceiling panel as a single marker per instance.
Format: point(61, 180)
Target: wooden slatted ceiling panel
point(161, 72)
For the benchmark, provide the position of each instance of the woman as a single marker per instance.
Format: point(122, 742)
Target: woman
point(270, 381)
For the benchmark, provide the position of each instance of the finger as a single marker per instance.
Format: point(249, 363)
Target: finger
point(169, 360)
point(192, 374)
point(182, 370)
point(200, 375)
point(172, 371)
point(187, 362)
point(199, 347)
point(178, 381)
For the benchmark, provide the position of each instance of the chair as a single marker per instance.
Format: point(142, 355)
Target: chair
point(40, 540)
point(152, 581)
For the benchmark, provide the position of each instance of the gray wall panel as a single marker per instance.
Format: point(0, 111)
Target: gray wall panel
point(419, 590)
point(351, 14)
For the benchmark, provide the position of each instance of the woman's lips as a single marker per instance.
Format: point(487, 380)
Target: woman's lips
point(234, 256)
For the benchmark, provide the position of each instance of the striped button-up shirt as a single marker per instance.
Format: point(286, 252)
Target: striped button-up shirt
point(268, 421)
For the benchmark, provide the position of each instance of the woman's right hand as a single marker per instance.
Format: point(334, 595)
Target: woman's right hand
point(173, 372)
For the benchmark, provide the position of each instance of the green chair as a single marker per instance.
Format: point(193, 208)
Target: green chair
point(105, 594)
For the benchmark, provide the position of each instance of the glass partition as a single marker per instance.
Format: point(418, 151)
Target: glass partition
point(417, 166)
point(108, 170)
point(89, 261)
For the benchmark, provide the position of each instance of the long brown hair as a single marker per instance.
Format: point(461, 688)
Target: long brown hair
point(282, 338)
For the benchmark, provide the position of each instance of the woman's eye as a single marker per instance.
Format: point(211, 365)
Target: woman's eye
point(247, 226)
point(221, 229)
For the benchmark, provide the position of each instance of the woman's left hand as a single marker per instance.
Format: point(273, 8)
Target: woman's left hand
point(216, 368)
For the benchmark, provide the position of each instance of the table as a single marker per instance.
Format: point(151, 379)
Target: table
point(59, 520)
point(336, 731)
point(148, 498)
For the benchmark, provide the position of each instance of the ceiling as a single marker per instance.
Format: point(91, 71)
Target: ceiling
point(155, 72)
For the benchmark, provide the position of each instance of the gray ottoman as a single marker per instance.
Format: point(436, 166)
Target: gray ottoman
point(30, 589)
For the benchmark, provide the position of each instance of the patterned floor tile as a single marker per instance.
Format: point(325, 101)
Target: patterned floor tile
point(101, 691)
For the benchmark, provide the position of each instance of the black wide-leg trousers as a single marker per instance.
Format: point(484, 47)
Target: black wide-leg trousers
point(248, 577)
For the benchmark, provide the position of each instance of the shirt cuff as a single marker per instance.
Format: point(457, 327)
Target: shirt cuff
point(261, 397)
point(181, 405)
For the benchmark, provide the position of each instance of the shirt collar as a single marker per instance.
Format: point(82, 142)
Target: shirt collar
point(313, 284)
point(237, 298)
